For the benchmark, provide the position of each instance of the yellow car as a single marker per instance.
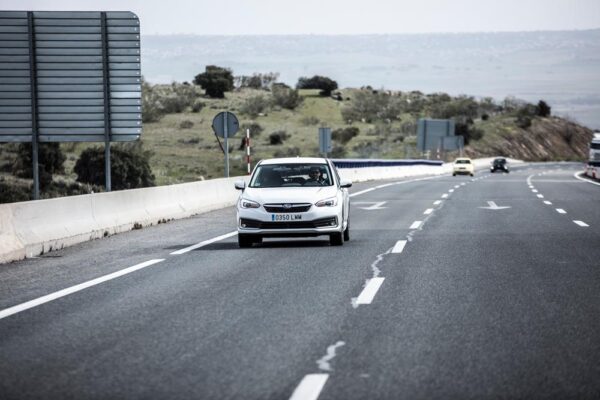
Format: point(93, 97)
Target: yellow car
point(463, 166)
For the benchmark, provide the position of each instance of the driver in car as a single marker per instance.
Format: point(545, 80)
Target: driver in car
point(315, 177)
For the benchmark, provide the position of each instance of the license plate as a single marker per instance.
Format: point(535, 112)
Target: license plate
point(286, 217)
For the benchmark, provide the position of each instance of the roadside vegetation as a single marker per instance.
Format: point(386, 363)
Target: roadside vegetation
point(178, 144)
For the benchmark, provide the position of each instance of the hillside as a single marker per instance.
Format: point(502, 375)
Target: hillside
point(366, 123)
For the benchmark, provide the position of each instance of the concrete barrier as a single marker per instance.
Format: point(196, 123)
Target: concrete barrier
point(31, 228)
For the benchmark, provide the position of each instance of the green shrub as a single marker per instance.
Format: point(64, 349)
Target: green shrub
point(257, 81)
point(12, 191)
point(344, 135)
point(255, 129)
point(186, 124)
point(50, 162)
point(286, 97)
point(293, 151)
point(255, 105)
point(277, 138)
point(310, 120)
point(130, 166)
point(197, 106)
point(543, 109)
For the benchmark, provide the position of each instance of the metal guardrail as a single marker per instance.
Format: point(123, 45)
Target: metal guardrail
point(361, 163)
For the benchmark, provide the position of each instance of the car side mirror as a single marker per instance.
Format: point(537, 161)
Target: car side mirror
point(240, 185)
point(345, 183)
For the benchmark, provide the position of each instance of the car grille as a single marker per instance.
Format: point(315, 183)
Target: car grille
point(317, 223)
point(287, 208)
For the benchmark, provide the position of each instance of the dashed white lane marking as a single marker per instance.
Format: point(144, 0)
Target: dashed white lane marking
point(310, 387)
point(463, 184)
point(560, 211)
point(435, 203)
point(399, 246)
point(445, 195)
point(415, 225)
point(580, 223)
point(204, 243)
point(428, 211)
point(456, 187)
point(73, 289)
point(451, 190)
point(548, 202)
point(534, 190)
point(541, 196)
point(368, 293)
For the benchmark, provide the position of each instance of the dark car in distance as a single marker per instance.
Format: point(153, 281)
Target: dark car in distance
point(499, 164)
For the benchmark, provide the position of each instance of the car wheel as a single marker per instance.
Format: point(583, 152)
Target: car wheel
point(244, 241)
point(336, 239)
point(347, 231)
point(453, 174)
point(471, 174)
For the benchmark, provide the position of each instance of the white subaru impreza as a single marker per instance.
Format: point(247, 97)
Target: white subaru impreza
point(291, 197)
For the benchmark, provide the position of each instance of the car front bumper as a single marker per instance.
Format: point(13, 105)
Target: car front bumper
point(317, 221)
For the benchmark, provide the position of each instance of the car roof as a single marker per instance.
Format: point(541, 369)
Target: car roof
point(463, 158)
point(294, 160)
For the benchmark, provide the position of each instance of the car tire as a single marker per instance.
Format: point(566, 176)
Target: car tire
point(471, 174)
point(245, 241)
point(453, 174)
point(336, 239)
point(347, 231)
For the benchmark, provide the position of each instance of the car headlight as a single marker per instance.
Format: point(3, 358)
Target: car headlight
point(331, 202)
point(245, 203)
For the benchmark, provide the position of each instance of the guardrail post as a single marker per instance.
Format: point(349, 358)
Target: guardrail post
point(106, 83)
point(34, 124)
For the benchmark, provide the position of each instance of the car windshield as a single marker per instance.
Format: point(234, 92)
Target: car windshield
point(291, 175)
point(499, 161)
point(463, 161)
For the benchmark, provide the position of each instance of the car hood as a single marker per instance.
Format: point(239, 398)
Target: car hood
point(289, 194)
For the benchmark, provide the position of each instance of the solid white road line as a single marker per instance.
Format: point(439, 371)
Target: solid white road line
point(560, 211)
point(73, 289)
point(362, 192)
point(445, 195)
point(415, 225)
point(576, 175)
point(547, 202)
point(368, 293)
point(399, 246)
point(435, 203)
point(310, 387)
point(428, 211)
point(580, 223)
point(202, 244)
point(541, 196)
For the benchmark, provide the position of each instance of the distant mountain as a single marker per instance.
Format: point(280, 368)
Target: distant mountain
point(561, 67)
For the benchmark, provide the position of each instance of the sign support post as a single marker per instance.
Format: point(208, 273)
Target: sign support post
point(106, 82)
point(225, 124)
point(226, 137)
point(34, 127)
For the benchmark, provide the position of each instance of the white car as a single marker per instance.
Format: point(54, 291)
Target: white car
point(289, 197)
point(463, 166)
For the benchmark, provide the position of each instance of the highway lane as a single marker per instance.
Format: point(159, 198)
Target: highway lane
point(220, 322)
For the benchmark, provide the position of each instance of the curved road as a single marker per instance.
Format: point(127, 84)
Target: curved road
point(442, 293)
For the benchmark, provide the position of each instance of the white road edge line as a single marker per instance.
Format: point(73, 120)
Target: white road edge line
point(415, 225)
point(202, 244)
point(428, 211)
point(310, 387)
point(399, 246)
point(368, 293)
point(560, 211)
point(73, 289)
point(576, 175)
point(361, 192)
point(580, 223)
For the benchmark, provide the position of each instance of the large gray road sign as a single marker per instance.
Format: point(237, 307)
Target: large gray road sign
point(69, 76)
point(431, 131)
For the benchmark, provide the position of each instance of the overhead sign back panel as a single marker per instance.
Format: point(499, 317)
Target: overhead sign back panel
point(85, 73)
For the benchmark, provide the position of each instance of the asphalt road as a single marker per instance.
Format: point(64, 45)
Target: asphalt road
point(434, 297)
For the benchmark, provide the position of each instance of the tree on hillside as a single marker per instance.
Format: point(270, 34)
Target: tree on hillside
point(543, 109)
point(50, 160)
point(215, 81)
point(326, 85)
point(130, 167)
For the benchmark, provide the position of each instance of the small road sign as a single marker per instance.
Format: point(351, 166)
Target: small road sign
point(225, 124)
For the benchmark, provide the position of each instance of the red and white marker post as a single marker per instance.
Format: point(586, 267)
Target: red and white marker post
point(248, 151)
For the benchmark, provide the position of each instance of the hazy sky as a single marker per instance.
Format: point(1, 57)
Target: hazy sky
point(234, 17)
